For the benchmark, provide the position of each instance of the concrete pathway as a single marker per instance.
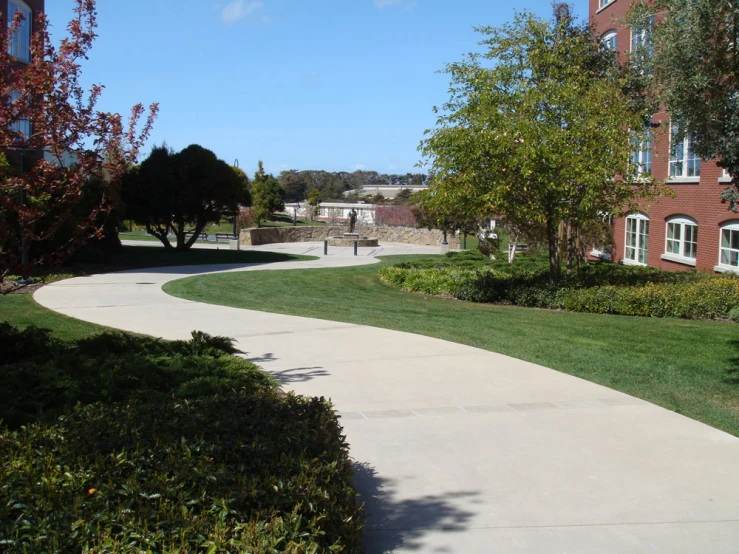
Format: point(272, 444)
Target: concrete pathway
point(460, 450)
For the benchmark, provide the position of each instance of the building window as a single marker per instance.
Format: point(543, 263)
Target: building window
point(641, 155)
point(609, 40)
point(729, 254)
point(19, 45)
point(642, 46)
point(604, 3)
point(637, 239)
point(684, 162)
point(682, 237)
point(21, 124)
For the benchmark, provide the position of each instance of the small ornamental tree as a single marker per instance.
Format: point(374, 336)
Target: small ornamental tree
point(540, 128)
point(267, 195)
point(66, 158)
point(181, 192)
point(314, 199)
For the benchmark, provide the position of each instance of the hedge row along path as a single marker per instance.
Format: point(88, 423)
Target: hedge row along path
point(460, 449)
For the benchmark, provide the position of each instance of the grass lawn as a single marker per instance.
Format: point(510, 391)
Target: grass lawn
point(691, 367)
point(20, 310)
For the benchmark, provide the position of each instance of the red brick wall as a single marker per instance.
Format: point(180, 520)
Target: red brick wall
point(699, 201)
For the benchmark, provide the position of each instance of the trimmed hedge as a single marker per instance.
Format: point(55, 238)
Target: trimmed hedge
point(164, 447)
point(43, 376)
point(598, 288)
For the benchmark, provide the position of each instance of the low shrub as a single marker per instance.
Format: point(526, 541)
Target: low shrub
point(164, 447)
point(597, 288)
point(252, 473)
point(43, 376)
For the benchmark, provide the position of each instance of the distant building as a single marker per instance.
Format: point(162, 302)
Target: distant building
point(334, 212)
point(694, 229)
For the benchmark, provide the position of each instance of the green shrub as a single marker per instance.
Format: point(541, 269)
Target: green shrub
point(43, 377)
point(598, 288)
point(251, 472)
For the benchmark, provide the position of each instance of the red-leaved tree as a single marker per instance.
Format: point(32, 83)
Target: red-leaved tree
point(61, 160)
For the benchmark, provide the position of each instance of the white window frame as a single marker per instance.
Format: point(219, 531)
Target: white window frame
point(732, 227)
point(686, 242)
point(19, 44)
point(603, 3)
point(641, 155)
point(609, 36)
point(686, 167)
point(641, 39)
point(725, 177)
point(641, 240)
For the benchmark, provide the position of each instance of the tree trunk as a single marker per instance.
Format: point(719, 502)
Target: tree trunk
point(570, 247)
point(161, 235)
point(552, 231)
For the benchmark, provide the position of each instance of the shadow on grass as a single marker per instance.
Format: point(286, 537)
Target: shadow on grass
point(299, 374)
point(394, 523)
point(733, 372)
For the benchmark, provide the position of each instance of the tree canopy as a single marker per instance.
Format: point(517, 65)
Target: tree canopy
point(267, 195)
point(695, 68)
point(539, 128)
point(181, 192)
point(63, 158)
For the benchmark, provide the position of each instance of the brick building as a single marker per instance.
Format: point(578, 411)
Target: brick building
point(694, 229)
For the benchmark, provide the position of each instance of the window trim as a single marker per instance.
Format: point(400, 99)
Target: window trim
point(604, 6)
point(640, 218)
point(686, 150)
point(681, 258)
point(725, 177)
point(611, 33)
point(731, 225)
point(26, 24)
point(640, 152)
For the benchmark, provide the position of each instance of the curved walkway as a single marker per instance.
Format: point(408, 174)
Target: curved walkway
point(461, 450)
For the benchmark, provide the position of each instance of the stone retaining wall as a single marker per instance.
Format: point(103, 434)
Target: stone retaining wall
point(408, 235)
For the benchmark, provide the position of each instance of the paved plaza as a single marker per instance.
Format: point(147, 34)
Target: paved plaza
point(460, 450)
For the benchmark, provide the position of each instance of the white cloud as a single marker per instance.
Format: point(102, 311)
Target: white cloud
point(405, 4)
point(240, 9)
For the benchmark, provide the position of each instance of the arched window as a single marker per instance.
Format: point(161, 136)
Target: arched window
point(609, 40)
point(19, 45)
point(681, 239)
point(729, 248)
point(637, 239)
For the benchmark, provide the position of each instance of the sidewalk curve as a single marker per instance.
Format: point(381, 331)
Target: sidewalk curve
point(460, 450)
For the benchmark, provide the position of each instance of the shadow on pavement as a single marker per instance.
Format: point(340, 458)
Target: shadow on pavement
point(299, 374)
point(266, 357)
point(393, 523)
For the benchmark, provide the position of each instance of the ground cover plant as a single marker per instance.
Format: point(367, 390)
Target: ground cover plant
point(121, 443)
point(597, 288)
point(688, 366)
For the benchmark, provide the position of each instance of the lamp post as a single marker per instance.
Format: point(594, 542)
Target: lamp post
point(24, 280)
point(236, 164)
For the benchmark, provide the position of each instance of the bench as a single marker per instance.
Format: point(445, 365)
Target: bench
point(202, 236)
point(224, 236)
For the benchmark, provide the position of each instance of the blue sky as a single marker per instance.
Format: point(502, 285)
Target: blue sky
point(301, 84)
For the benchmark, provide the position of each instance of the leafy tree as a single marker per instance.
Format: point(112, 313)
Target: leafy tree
point(537, 128)
point(295, 185)
point(179, 191)
point(45, 108)
point(246, 195)
point(267, 195)
point(314, 199)
point(695, 66)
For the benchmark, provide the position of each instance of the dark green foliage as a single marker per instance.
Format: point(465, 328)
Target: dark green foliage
point(598, 288)
point(233, 473)
point(163, 447)
point(43, 376)
point(180, 192)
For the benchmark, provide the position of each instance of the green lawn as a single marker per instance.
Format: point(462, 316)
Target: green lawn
point(22, 311)
point(691, 367)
